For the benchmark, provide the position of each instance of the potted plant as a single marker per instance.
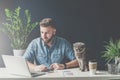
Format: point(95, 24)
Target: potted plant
point(18, 27)
point(111, 55)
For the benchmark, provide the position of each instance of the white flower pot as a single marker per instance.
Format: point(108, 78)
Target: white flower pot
point(18, 52)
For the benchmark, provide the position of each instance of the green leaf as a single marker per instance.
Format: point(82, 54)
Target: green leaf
point(112, 49)
point(18, 27)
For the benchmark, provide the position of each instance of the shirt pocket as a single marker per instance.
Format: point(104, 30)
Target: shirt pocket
point(57, 57)
point(41, 58)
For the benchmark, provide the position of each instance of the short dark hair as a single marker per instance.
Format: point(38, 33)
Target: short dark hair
point(47, 22)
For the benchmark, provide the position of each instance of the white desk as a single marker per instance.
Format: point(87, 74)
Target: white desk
point(72, 74)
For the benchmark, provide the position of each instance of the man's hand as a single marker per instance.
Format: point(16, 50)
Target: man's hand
point(57, 66)
point(40, 68)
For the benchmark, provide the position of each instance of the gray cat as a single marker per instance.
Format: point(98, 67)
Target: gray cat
point(80, 54)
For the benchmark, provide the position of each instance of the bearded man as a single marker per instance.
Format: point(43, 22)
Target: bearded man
point(49, 51)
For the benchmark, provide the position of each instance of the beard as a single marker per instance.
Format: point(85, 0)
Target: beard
point(49, 40)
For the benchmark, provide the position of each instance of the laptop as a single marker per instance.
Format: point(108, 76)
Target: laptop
point(17, 65)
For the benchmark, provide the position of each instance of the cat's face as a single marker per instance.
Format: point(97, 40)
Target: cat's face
point(78, 47)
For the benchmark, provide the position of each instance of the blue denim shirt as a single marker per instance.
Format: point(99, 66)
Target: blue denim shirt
point(40, 53)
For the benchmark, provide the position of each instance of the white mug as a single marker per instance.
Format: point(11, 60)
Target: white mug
point(92, 67)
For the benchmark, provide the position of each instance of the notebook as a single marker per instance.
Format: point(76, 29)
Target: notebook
point(18, 66)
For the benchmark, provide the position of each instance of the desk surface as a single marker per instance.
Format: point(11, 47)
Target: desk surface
point(70, 74)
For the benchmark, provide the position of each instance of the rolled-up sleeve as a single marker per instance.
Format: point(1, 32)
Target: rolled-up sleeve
point(69, 51)
point(29, 53)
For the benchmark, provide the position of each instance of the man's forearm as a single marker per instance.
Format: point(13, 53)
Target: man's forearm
point(72, 64)
point(31, 65)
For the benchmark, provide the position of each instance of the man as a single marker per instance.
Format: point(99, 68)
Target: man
point(49, 51)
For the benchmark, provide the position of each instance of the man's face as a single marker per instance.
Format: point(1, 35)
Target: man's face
point(47, 33)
